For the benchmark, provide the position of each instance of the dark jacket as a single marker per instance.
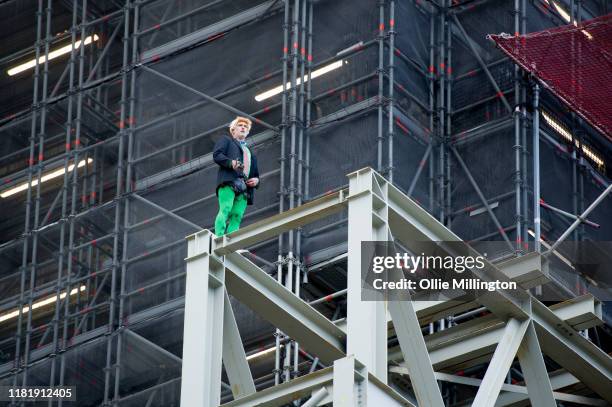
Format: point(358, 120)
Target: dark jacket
point(226, 150)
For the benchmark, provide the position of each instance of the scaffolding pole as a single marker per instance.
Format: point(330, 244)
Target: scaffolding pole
point(27, 231)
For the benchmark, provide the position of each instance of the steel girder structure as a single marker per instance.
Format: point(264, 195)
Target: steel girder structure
point(520, 326)
point(444, 21)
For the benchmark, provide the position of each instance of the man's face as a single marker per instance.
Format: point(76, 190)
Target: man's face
point(240, 131)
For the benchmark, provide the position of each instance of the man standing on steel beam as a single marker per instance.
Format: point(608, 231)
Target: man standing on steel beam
point(237, 178)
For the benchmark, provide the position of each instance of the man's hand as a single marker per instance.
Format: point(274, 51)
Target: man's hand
point(235, 164)
point(252, 182)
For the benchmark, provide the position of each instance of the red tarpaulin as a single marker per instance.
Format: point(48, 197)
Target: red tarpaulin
point(574, 62)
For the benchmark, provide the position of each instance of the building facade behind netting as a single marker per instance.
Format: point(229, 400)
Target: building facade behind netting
point(113, 142)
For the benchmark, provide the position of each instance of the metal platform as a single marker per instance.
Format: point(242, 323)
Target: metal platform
point(517, 325)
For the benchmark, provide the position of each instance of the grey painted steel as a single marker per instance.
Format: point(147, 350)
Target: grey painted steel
point(379, 99)
point(277, 332)
point(391, 87)
point(164, 22)
point(300, 119)
point(292, 118)
point(482, 197)
point(578, 355)
point(282, 193)
point(154, 346)
point(528, 271)
point(410, 223)
point(581, 312)
point(264, 295)
point(282, 222)
point(104, 51)
point(349, 389)
point(329, 297)
point(416, 357)
point(128, 188)
point(308, 107)
point(73, 199)
point(579, 220)
point(517, 395)
point(569, 215)
point(432, 101)
point(234, 358)
point(318, 396)
point(117, 223)
point(537, 221)
point(366, 320)
point(203, 341)
point(470, 44)
point(206, 32)
point(534, 370)
point(209, 98)
point(166, 211)
point(517, 141)
point(286, 392)
point(448, 109)
point(441, 117)
point(500, 363)
point(419, 170)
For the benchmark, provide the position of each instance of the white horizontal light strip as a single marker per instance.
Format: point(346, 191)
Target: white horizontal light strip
point(53, 54)
point(41, 303)
point(46, 177)
point(263, 352)
point(568, 136)
point(315, 74)
point(565, 15)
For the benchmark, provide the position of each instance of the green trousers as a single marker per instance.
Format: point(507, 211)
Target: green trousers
point(231, 209)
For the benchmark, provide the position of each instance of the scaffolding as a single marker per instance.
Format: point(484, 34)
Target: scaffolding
point(128, 122)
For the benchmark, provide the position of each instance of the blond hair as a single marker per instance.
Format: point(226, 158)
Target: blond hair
point(239, 119)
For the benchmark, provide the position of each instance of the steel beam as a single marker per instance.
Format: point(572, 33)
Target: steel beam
point(317, 397)
point(517, 394)
point(349, 387)
point(484, 201)
point(207, 32)
point(461, 346)
point(234, 358)
point(285, 393)
point(347, 383)
point(411, 224)
point(581, 312)
point(500, 363)
point(416, 357)
point(202, 341)
point(534, 370)
point(280, 223)
point(366, 320)
point(580, 219)
point(558, 380)
point(384, 205)
point(166, 211)
point(207, 97)
point(576, 354)
point(528, 271)
point(169, 355)
point(470, 44)
point(273, 302)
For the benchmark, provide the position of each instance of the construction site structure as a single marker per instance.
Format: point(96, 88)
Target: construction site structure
point(446, 135)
